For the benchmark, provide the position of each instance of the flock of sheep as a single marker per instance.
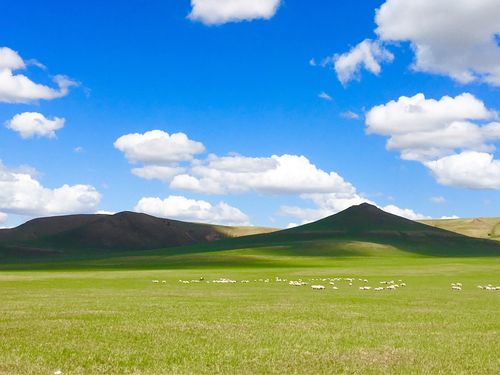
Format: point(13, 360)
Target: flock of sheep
point(333, 283)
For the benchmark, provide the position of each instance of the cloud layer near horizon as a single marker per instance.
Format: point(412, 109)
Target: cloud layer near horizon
point(21, 193)
point(171, 159)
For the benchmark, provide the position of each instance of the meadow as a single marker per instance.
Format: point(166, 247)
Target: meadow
point(106, 316)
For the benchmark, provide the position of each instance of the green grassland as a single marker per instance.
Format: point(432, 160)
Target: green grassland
point(97, 311)
point(105, 316)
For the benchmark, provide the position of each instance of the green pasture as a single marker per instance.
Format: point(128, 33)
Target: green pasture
point(105, 316)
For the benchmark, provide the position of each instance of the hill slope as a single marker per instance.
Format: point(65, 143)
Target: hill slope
point(370, 225)
point(138, 240)
point(483, 227)
point(122, 231)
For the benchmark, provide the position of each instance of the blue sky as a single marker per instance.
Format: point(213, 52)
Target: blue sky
point(245, 80)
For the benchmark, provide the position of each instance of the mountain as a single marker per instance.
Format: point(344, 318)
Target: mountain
point(359, 230)
point(122, 231)
point(369, 224)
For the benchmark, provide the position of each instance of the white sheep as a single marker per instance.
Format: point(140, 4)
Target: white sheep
point(317, 287)
point(155, 281)
point(378, 288)
point(456, 287)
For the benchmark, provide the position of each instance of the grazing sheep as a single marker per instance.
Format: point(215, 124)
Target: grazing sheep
point(58, 372)
point(317, 287)
point(456, 287)
point(378, 288)
point(297, 283)
point(164, 281)
point(334, 287)
point(402, 284)
point(155, 281)
point(391, 287)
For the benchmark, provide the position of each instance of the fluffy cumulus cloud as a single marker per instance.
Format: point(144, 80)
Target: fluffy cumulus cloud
point(18, 88)
point(215, 12)
point(285, 174)
point(31, 124)
point(182, 208)
point(21, 193)
point(458, 39)
point(424, 129)
point(368, 54)
point(470, 169)
point(3, 217)
point(236, 174)
point(453, 137)
point(157, 147)
point(449, 37)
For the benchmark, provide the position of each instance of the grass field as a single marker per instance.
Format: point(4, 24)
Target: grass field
point(484, 227)
point(105, 316)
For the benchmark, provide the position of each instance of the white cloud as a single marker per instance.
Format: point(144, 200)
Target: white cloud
point(438, 200)
point(350, 115)
point(274, 175)
point(78, 149)
point(30, 124)
point(470, 169)
point(449, 37)
point(404, 212)
point(10, 59)
point(450, 136)
point(3, 217)
point(163, 173)
point(17, 88)
point(323, 95)
point(21, 193)
point(182, 208)
point(157, 147)
point(368, 54)
point(426, 129)
point(214, 12)
point(312, 62)
point(104, 212)
point(285, 174)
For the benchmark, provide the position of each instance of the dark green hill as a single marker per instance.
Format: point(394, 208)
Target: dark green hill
point(369, 224)
point(122, 231)
point(362, 230)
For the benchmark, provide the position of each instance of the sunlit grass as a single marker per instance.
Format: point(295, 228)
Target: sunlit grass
point(108, 322)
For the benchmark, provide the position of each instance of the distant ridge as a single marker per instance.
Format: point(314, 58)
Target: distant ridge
point(122, 231)
point(91, 235)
